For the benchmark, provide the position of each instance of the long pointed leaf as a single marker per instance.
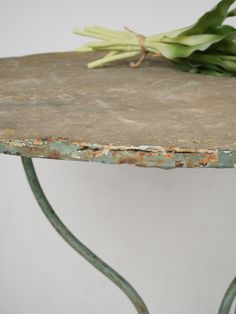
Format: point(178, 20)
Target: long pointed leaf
point(215, 17)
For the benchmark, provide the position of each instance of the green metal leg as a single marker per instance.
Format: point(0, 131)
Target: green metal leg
point(91, 257)
point(228, 299)
point(75, 243)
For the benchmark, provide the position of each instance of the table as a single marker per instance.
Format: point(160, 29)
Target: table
point(52, 106)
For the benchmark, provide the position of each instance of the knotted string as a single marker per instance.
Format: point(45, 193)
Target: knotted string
point(145, 52)
point(141, 41)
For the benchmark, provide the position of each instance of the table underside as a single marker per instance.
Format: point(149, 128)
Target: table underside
point(52, 106)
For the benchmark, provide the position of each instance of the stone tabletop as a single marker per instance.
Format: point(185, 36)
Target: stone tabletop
point(52, 106)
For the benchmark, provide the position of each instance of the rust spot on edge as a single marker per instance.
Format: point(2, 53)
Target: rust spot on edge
point(179, 164)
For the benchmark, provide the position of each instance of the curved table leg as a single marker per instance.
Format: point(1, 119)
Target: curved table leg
point(228, 298)
point(75, 243)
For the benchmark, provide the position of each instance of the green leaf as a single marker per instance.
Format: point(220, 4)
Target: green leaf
point(226, 46)
point(226, 62)
point(213, 34)
point(173, 49)
point(203, 68)
point(215, 17)
point(212, 18)
point(232, 13)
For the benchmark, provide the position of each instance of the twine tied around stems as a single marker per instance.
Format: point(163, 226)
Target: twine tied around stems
point(145, 52)
point(141, 39)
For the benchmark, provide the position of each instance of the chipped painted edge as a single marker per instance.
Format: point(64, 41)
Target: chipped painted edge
point(142, 156)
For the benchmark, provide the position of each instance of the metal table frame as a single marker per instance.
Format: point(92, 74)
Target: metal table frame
point(93, 259)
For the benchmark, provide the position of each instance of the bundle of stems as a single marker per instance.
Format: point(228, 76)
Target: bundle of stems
point(207, 47)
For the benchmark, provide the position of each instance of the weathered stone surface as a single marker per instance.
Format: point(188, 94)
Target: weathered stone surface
point(52, 106)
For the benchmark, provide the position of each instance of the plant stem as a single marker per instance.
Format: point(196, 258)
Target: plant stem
point(107, 59)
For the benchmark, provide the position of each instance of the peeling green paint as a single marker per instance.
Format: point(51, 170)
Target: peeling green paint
point(143, 156)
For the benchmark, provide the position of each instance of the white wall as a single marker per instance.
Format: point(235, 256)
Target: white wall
point(170, 233)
